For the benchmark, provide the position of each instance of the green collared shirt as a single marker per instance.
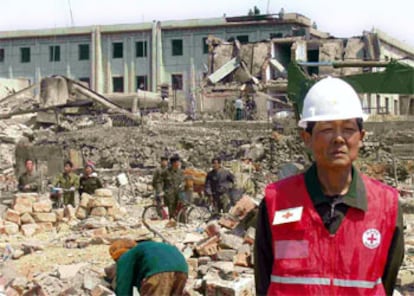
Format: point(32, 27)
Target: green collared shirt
point(356, 198)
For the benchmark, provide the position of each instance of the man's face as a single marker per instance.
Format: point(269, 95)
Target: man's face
point(164, 163)
point(334, 144)
point(216, 165)
point(88, 170)
point(29, 166)
point(67, 169)
point(176, 164)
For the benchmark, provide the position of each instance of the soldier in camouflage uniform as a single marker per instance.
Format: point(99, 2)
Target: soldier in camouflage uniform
point(29, 181)
point(172, 184)
point(157, 179)
point(89, 181)
point(219, 183)
point(68, 182)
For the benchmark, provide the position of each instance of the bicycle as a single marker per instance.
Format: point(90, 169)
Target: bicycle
point(186, 212)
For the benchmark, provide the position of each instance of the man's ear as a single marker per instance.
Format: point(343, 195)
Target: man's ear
point(362, 138)
point(306, 137)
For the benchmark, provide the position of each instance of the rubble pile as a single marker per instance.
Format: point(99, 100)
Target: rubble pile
point(30, 214)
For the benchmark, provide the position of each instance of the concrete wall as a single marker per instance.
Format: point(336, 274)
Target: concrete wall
point(10, 86)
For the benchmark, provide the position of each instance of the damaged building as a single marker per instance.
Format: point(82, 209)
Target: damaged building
point(265, 64)
point(124, 58)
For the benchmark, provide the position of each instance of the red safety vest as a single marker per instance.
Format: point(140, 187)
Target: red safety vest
point(308, 260)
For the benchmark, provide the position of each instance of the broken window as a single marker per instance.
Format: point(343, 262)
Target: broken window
point(205, 45)
point(1, 55)
point(54, 53)
point(142, 82)
point(243, 39)
point(177, 81)
point(141, 49)
point(86, 80)
point(276, 35)
point(25, 54)
point(177, 47)
point(117, 50)
point(83, 52)
point(118, 84)
point(313, 56)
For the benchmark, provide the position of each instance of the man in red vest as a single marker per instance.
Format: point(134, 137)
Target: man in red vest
point(331, 230)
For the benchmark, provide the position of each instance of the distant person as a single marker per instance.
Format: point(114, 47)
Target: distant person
point(172, 185)
point(251, 109)
point(219, 183)
point(154, 268)
point(29, 181)
point(157, 179)
point(89, 180)
point(68, 181)
point(239, 105)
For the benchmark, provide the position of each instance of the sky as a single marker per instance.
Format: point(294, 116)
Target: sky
point(343, 18)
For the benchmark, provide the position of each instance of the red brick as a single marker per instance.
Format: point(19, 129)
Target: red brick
point(12, 216)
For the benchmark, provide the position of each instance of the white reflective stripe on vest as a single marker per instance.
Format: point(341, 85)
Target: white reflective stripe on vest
point(324, 281)
point(356, 283)
point(300, 280)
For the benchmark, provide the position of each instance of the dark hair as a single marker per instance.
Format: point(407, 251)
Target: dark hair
point(218, 159)
point(28, 159)
point(311, 124)
point(163, 158)
point(174, 158)
point(68, 162)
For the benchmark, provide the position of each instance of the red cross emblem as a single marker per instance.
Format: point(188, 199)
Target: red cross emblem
point(287, 215)
point(371, 238)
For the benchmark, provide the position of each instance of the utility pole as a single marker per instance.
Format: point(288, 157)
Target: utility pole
point(267, 8)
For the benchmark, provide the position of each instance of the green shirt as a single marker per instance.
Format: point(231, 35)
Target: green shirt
point(66, 181)
point(172, 181)
point(89, 184)
point(32, 180)
point(144, 260)
point(157, 179)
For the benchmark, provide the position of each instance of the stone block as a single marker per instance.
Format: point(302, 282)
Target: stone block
point(250, 235)
point(242, 207)
point(84, 201)
point(60, 214)
point(45, 217)
point(98, 212)
point(242, 259)
point(69, 212)
point(22, 205)
point(32, 196)
point(45, 226)
point(12, 216)
point(100, 290)
point(192, 267)
point(26, 218)
point(204, 260)
point(231, 241)
point(226, 255)
point(240, 287)
point(29, 229)
point(81, 213)
point(228, 222)
point(17, 254)
point(42, 206)
point(103, 192)
point(107, 202)
point(69, 271)
point(98, 232)
point(208, 247)
point(11, 228)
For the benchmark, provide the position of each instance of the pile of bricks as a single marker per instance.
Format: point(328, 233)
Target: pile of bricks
point(30, 213)
point(224, 259)
point(100, 204)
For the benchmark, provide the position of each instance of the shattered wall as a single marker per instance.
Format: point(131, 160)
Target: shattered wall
point(11, 86)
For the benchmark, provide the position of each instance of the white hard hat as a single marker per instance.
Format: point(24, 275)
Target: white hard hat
point(331, 99)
